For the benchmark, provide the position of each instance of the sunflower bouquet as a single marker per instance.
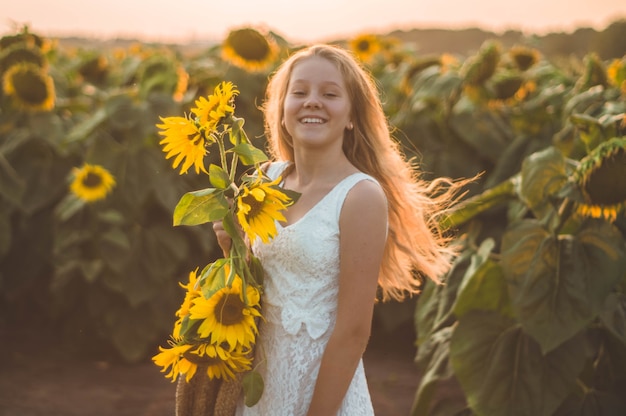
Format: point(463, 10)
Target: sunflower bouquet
point(216, 327)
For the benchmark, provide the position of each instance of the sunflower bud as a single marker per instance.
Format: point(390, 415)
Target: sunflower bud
point(481, 67)
point(594, 74)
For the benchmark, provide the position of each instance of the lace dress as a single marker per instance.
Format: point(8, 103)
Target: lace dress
point(300, 306)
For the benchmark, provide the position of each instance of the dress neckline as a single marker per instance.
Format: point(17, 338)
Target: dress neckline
point(318, 203)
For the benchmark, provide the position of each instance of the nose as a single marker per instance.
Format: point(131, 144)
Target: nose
point(312, 102)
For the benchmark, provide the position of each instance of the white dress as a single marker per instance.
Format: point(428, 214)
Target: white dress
point(300, 308)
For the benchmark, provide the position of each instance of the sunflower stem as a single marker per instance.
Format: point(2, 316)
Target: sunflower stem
point(233, 167)
point(223, 161)
point(565, 212)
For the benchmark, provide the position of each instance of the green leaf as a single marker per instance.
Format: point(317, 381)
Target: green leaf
point(85, 128)
point(115, 249)
point(434, 357)
point(131, 330)
point(503, 371)
point(613, 316)
point(200, 207)
point(256, 268)
point(590, 129)
point(248, 154)
point(291, 194)
point(12, 186)
point(237, 133)
point(543, 176)
point(253, 387)
point(478, 204)
point(483, 287)
point(219, 177)
point(592, 402)
point(91, 269)
point(486, 131)
point(434, 306)
point(559, 284)
point(68, 206)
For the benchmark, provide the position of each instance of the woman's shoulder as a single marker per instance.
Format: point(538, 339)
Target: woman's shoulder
point(365, 188)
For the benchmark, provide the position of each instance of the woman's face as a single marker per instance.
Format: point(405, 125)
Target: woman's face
point(317, 106)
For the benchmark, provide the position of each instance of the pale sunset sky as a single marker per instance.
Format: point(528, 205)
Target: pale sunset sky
point(296, 20)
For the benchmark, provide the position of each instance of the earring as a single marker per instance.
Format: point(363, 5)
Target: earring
point(350, 126)
point(282, 123)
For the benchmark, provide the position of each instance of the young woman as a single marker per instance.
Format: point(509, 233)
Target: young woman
point(363, 227)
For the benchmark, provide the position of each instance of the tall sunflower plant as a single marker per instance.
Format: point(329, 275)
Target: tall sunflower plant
point(216, 327)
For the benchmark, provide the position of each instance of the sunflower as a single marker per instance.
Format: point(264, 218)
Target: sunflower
point(227, 315)
point(259, 205)
point(365, 46)
point(249, 49)
point(160, 73)
point(219, 362)
point(524, 57)
point(91, 182)
point(94, 69)
point(173, 357)
point(210, 111)
point(31, 88)
point(616, 73)
point(191, 292)
point(601, 176)
point(183, 139)
point(182, 83)
point(506, 84)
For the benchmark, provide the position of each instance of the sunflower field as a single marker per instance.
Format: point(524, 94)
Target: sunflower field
point(532, 317)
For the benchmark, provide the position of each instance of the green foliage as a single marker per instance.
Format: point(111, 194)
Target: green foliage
point(532, 317)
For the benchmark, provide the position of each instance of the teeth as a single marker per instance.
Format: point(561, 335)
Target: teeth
point(312, 120)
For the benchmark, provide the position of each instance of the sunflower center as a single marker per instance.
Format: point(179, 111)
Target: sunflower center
point(30, 87)
point(507, 87)
point(229, 310)
point(92, 180)
point(363, 46)
point(250, 45)
point(606, 183)
point(255, 206)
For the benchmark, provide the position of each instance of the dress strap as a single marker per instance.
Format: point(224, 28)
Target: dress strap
point(276, 169)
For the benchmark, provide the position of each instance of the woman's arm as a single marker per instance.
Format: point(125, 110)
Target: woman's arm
point(223, 239)
point(363, 227)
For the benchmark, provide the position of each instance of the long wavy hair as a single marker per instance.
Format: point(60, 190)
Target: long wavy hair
point(416, 246)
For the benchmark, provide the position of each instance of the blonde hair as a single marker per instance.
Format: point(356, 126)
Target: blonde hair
point(416, 246)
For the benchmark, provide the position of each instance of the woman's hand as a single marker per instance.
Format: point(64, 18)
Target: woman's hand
point(223, 239)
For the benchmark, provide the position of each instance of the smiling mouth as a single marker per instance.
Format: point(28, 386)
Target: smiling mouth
point(312, 120)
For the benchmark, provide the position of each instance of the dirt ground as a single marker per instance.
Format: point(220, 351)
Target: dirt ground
point(39, 382)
